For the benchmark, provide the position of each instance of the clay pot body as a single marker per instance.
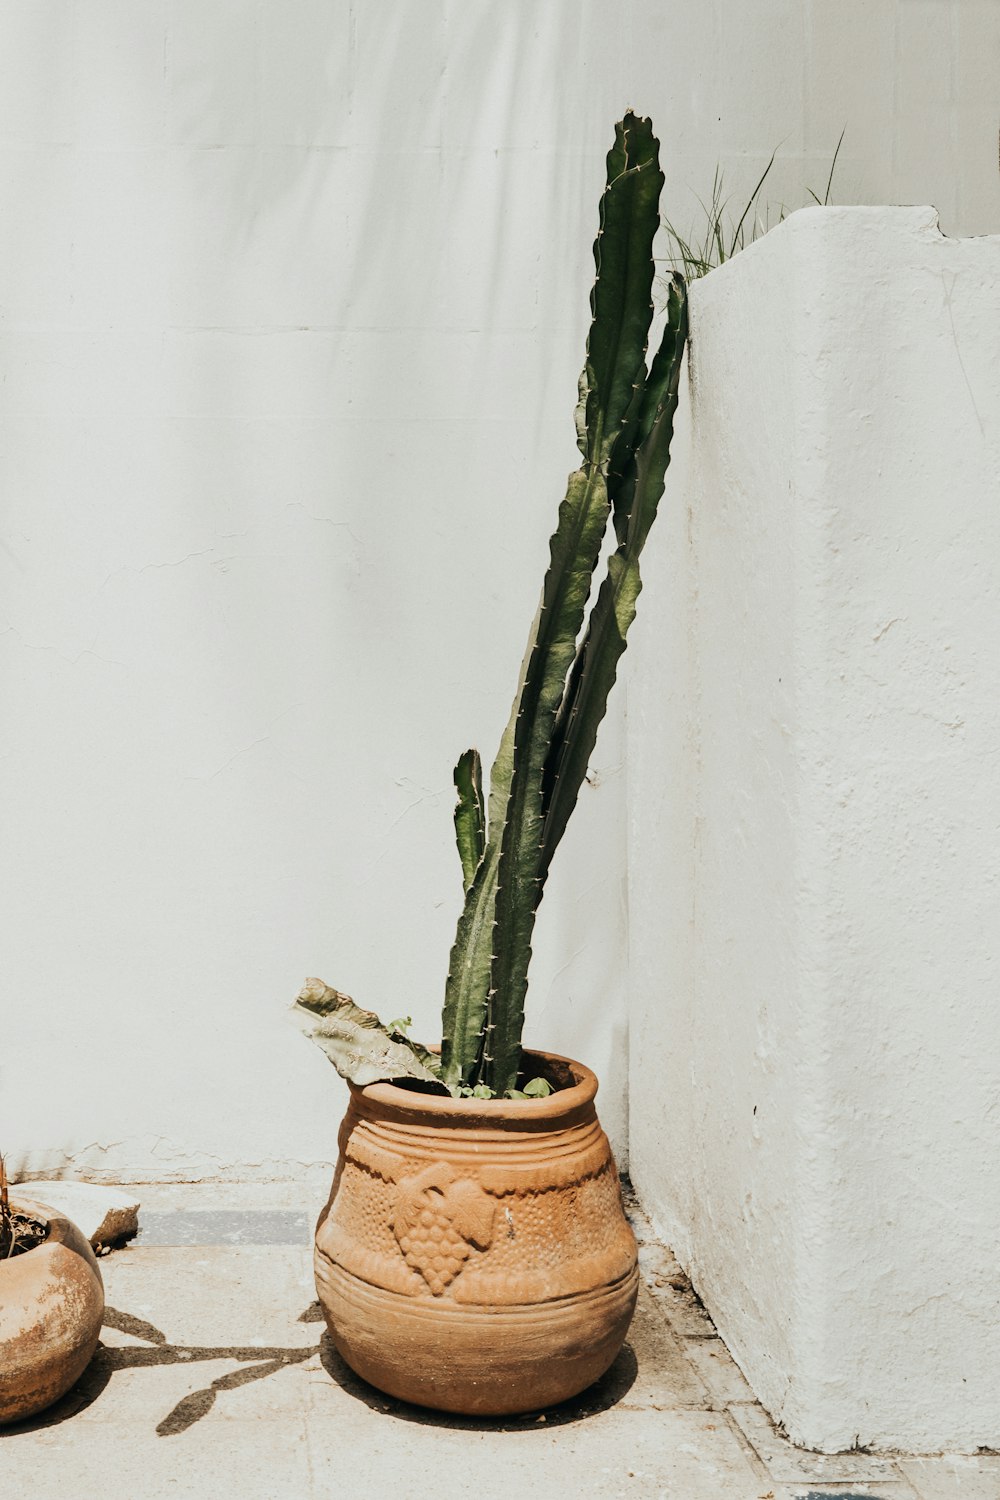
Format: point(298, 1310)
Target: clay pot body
point(51, 1308)
point(474, 1255)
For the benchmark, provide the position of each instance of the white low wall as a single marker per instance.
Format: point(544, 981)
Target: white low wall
point(815, 853)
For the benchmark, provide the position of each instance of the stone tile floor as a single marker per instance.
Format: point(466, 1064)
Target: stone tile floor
point(215, 1379)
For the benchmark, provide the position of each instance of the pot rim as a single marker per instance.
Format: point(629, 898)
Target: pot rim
point(64, 1238)
point(553, 1107)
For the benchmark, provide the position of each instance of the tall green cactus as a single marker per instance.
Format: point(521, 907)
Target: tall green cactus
point(624, 425)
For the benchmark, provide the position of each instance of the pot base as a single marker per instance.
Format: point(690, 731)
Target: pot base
point(476, 1361)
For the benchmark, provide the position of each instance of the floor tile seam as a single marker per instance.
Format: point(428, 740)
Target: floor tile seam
point(746, 1446)
point(682, 1312)
point(680, 1332)
point(879, 1489)
point(949, 1455)
point(887, 1461)
point(888, 1475)
point(311, 1411)
point(691, 1373)
point(929, 1458)
point(887, 1472)
point(894, 1476)
point(139, 1245)
point(841, 1489)
point(909, 1493)
point(720, 1404)
point(648, 1403)
point(676, 1317)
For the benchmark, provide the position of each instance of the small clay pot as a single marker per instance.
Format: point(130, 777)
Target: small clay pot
point(474, 1256)
point(51, 1309)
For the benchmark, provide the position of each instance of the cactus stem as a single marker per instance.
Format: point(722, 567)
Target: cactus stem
point(560, 701)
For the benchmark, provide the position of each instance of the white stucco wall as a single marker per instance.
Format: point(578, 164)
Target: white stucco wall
point(815, 861)
point(292, 304)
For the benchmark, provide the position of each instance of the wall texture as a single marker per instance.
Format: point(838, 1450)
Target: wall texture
point(292, 302)
point(816, 1085)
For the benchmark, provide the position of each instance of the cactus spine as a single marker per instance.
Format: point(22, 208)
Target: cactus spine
point(624, 426)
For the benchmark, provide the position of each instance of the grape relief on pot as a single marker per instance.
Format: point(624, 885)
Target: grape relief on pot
point(438, 1219)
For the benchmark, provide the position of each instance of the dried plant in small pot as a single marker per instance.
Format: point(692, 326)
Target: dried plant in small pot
point(474, 1255)
point(51, 1305)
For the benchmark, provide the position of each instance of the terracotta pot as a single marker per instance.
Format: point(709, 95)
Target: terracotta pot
point(51, 1309)
point(474, 1255)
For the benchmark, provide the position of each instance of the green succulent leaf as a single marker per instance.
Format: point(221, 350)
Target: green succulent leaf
point(472, 1091)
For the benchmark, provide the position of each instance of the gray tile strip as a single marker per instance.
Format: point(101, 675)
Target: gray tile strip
point(225, 1227)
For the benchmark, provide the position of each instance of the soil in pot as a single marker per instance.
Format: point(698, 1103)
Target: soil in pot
point(474, 1255)
point(20, 1232)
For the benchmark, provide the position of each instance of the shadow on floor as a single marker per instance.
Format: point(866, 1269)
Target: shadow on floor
point(259, 1363)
